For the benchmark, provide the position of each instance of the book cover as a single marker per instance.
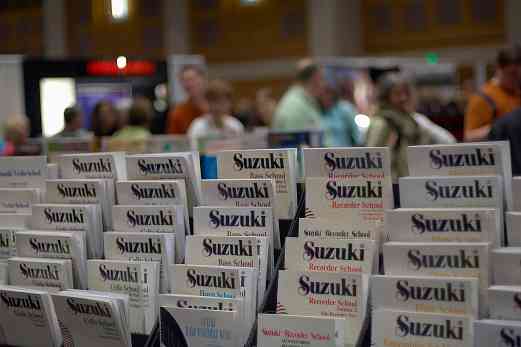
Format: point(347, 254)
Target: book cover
point(500, 333)
point(180, 165)
point(40, 273)
point(516, 194)
point(352, 256)
point(326, 229)
point(464, 159)
point(28, 318)
point(403, 328)
point(196, 302)
point(18, 200)
point(15, 220)
point(443, 225)
point(505, 302)
point(153, 219)
point(57, 245)
point(138, 279)
point(23, 172)
point(277, 330)
point(506, 266)
point(93, 165)
point(277, 164)
point(513, 221)
point(158, 247)
point(66, 217)
point(443, 295)
point(4, 273)
point(441, 259)
point(339, 295)
point(8, 243)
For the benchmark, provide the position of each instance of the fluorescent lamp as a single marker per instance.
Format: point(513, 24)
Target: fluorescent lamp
point(119, 9)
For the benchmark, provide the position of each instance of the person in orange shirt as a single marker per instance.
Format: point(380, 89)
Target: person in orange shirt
point(193, 80)
point(499, 96)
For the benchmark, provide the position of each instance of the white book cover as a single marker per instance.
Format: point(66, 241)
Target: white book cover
point(441, 259)
point(153, 219)
point(403, 328)
point(346, 256)
point(153, 192)
point(464, 159)
point(158, 247)
point(516, 194)
point(93, 165)
point(28, 318)
point(180, 165)
point(498, 333)
point(279, 165)
point(341, 295)
point(83, 191)
point(59, 245)
point(443, 225)
point(506, 266)
point(8, 243)
point(196, 302)
point(53, 171)
point(201, 328)
point(18, 200)
point(23, 172)
point(90, 321)
point(513, 224)
point(15, 220)
point(505, 302)
point(66, 217)
point(4, 273)
point(140, 280)
point(277, 330)
point(443, 295)
point(326, 229)
point(240, 251)
point(41, 273)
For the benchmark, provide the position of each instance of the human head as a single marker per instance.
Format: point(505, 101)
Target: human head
point(219, 96)
point(16, 129)
point(140, 113)
point(193, 80)
point(72, 117)
point(104, 119)
point(395, 90)
point(329, 96)
point(265, 105)
point(310, 76)
point(508, 71)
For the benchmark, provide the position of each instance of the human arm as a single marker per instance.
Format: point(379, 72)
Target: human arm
point(478, 117)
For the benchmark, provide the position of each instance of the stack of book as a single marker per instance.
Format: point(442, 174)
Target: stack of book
point(437, 259)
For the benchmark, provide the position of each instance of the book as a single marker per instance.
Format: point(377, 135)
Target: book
point(240, 251)
point(93, 165)
point(506, 263)
point(500, 333)
point(18, 200)
point(326, 229)
point(443, 225)
point(403, 328)
point(201, 328)
point(443, 295)
point(178, 165)
point(196, 302)
point(516, 194)
point(27, 318)
point(277, 330)
point(441, 259)
point(58, 245)
point(4, 273)
point(40, 273)
point(15, 220)
point(350, 256)
point(158, 247)
point(23, 172)
point(153, 219)
point(138, 279)
point(88, 320)
point(464, 159)
point(8, 243)
point(158, 192)
point(83, 191)
point(339, 295)
point(280, 165)
point(351, 162)
point(85, 218)
point(53, 171)
point(513, 221)
point(505, 302)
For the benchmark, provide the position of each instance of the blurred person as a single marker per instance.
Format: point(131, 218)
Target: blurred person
point(104, 119)
point(244, 111)
point(265, 106)
point(299, 108)
point(193, 80)
point(73, 119)
point(395, 124)
point(218, 122)
point(16, 135)
point(499, 96)
point(508, 128)
point(338, 120)
point(139, 117)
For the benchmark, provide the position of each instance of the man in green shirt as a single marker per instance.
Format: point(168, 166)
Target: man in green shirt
point(299, 108)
